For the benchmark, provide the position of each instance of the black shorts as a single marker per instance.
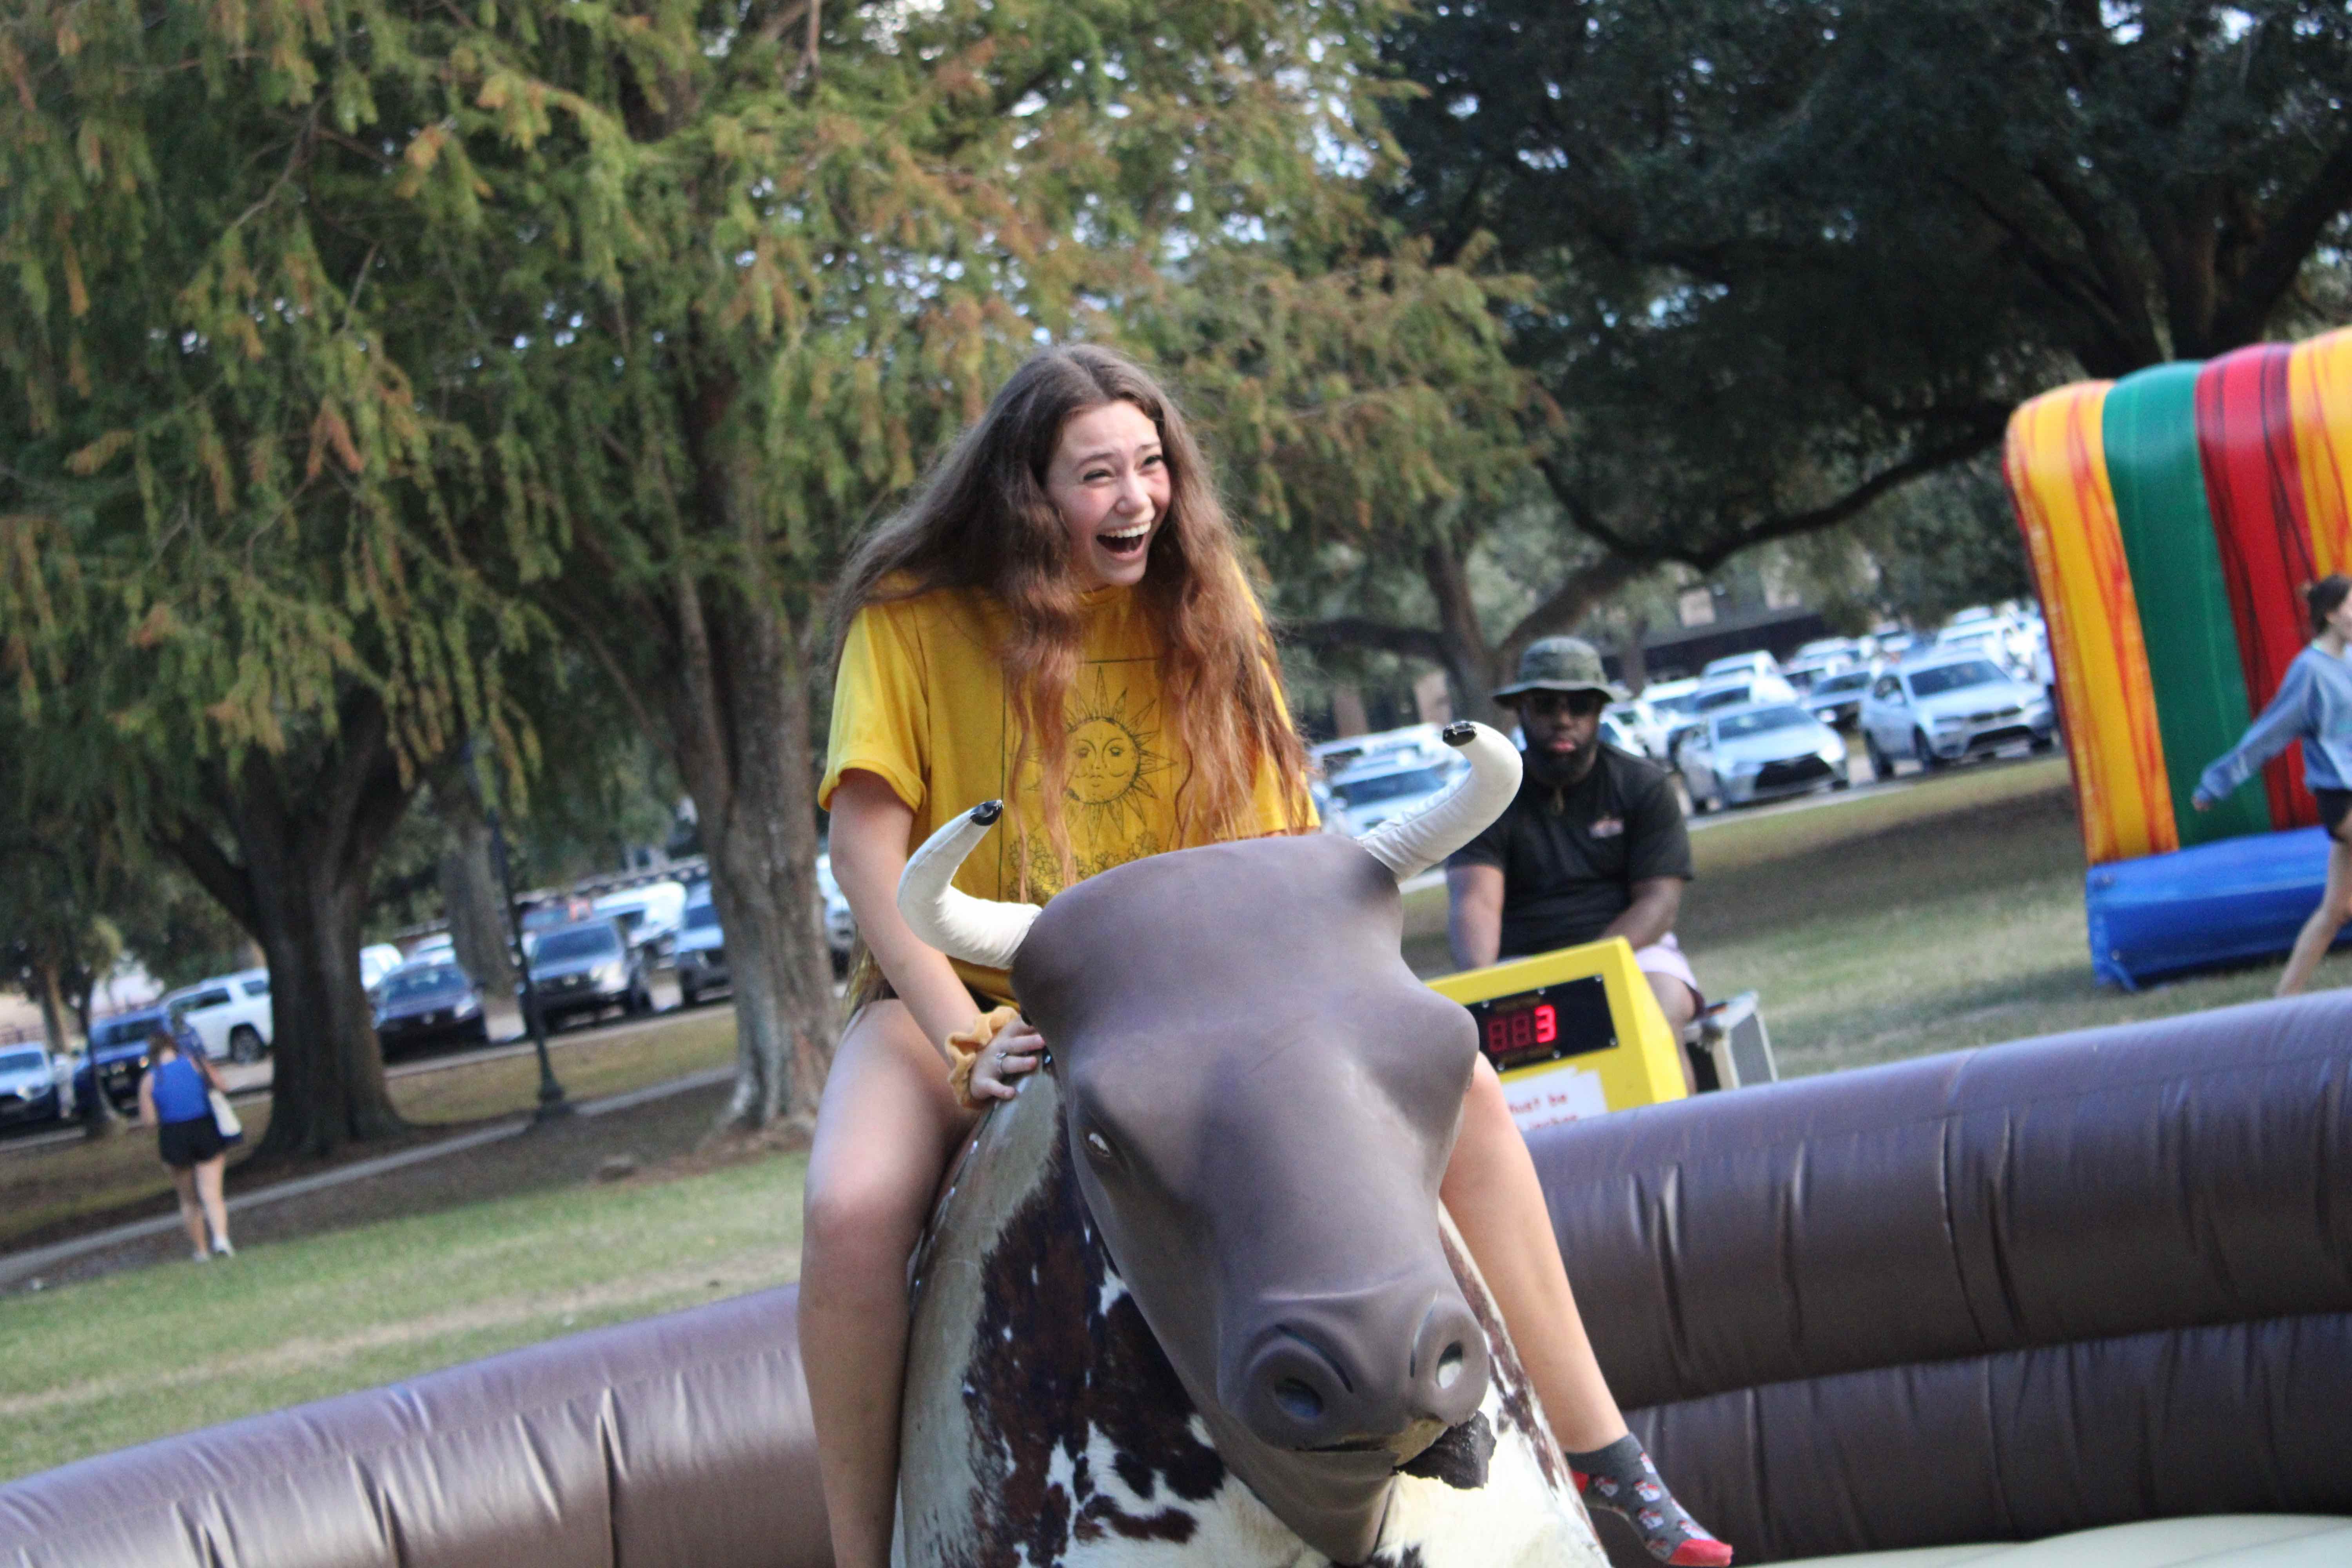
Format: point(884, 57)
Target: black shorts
point(2334, 805)
point(186, 1144)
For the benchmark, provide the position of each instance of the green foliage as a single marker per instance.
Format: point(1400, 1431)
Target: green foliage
point(1948, 541)
point(225, 502)
point(175, 931)
point(1785, 249)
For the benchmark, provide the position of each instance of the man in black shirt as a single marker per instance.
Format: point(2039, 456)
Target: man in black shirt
point(1593, 846)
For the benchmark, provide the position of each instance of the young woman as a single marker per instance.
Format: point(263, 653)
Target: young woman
point(176, 1099)
point(2314, 705)
point(1061, 620)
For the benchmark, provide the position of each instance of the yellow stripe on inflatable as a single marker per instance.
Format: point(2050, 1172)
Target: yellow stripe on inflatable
point(2319, 397)
point(2057, 471)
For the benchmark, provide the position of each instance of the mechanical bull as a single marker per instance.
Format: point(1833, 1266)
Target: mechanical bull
point(1191, 1297)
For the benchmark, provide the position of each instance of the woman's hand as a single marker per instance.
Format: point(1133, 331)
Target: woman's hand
point(1016, 1049)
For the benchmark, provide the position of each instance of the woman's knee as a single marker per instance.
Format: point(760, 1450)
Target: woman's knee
point(876, 1209)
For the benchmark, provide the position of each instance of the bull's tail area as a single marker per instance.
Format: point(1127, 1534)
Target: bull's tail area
point(979, 931)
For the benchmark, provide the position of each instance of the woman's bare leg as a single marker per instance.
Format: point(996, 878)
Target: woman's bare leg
point(884, 1134)
point(192, 1213)
point(1498, 1204)
point(1491, 1191)
point(208, 1192)
point(2318, 932)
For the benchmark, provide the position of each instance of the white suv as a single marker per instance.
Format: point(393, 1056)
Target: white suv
point(229, 1013)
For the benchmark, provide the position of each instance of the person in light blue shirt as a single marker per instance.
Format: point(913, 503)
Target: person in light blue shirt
point(2314, 705)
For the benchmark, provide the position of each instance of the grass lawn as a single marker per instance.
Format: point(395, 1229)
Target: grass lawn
point(48, 1193)
point(1933, 917)
point(141, 1354)
point(1927, 919)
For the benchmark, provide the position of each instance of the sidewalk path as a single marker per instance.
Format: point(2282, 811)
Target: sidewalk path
point(19, 1267)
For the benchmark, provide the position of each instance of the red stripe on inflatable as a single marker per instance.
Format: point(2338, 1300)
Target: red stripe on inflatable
point(2246, 438)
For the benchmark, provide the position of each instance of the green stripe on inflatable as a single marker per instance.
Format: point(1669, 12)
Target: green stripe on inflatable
point(2149, 429)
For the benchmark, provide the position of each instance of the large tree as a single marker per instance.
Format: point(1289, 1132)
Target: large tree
point(756, 265)
point(636, 313)
point(1785, 258)
point(230, 568)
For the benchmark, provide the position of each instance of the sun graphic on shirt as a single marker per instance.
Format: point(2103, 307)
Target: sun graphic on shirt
point(1112, 787)
point(1111, 762)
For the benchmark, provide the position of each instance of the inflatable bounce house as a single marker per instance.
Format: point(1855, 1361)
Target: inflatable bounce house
point(2171, 519)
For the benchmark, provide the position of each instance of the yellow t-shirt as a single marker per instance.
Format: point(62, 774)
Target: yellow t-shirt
point(920, 701)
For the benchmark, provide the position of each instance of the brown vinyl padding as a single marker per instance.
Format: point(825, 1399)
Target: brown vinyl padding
point(2027, 1290)
point(1991, 1296)
point(678, 1442)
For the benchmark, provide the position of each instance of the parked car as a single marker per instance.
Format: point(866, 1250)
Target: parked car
point(28, 1086)
point(229, 1013)
point(1801, 671)
point(1372, 793)
point(1754, 662)
point(439, 948)
point(650, 915)
point(1760, 751)
point(1847, 648)
point(1642, 724)
point(421, 1003)
point(1337, 757)
point(1613, 733)
point(587, 967)
point(118, 1052)
point(702, 955)
point(376, 961)
point(1893, 643)
point(1836, 699)
point(1990, 642)
point(1723, 692)
point(840, 925)
point(1941, 710)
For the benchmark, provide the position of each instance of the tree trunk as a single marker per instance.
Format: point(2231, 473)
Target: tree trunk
point(738, 721)
point(1632, 661)
point(470, 891)
point(306, 846)
point(1462, 643)
point(750, 770)
point(53, 1009)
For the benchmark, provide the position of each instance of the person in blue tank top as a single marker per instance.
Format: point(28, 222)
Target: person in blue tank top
point(176, 1099)
point(2314, 705)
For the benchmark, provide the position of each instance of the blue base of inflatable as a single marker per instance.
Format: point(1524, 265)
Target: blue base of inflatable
point(2220, 903)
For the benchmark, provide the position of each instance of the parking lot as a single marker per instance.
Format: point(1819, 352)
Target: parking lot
point(252, 1079)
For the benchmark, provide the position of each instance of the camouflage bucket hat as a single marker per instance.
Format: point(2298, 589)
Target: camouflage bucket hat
point(1560, 664)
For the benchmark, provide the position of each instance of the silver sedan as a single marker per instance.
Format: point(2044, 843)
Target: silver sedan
point(1761, 751)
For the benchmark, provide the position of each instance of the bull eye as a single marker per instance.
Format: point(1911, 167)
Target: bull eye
point(1097, 1145)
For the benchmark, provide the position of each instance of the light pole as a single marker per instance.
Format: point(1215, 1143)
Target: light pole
point(552, 1105)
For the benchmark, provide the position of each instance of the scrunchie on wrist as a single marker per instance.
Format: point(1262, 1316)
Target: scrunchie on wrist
point(966, 1044)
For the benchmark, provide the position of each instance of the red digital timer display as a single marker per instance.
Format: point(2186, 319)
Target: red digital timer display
point(1568, 1018)
point(1515, 1032)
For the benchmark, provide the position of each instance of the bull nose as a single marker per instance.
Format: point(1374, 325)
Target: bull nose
point(1377, 1371)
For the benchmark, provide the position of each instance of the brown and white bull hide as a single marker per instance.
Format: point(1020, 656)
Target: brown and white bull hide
point(1044, 1425)
point(1044, 1421)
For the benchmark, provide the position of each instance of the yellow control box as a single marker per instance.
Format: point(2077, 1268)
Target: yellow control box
point(1574, 1033)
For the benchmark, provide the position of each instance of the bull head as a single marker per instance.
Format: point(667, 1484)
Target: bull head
point(1261, 1100)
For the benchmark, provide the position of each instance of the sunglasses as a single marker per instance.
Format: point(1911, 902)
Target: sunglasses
point(1554, 704)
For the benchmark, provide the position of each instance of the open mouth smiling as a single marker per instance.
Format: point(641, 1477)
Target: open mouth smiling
point(1125, 542)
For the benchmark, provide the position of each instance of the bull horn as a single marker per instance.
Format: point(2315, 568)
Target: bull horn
point(978, 931)
point(1412, 844)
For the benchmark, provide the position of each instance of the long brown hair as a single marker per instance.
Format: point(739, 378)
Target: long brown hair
point(983, 519)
